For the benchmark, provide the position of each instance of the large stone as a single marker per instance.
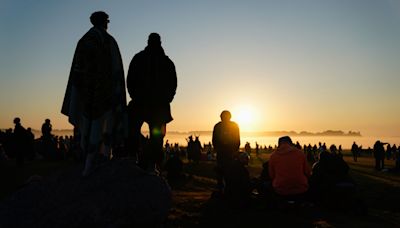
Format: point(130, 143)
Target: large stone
point(117, 194)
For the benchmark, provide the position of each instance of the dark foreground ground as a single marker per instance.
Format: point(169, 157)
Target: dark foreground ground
point(193, 206)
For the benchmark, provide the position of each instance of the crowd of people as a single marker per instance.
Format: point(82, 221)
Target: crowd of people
point(21, 144)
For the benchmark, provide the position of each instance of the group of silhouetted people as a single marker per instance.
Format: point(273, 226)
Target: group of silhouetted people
point(20, 144)
point(95, 100)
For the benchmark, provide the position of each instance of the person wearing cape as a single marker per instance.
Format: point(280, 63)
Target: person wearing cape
point(95, 97)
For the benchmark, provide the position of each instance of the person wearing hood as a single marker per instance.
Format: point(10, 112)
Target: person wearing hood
point(288, 169)
point(151, 84)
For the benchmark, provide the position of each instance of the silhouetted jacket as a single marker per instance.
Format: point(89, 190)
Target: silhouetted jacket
point(226, 139)
point(152, 83)
point(329, 171)
point(289, 170)
point(96, 82)
point(379, 150)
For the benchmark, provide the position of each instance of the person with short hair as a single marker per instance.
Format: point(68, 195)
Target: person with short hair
point(151, 84)
point(226, 142)
point(288, 169)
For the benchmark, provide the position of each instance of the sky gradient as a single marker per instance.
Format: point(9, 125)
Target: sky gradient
point(295, 65)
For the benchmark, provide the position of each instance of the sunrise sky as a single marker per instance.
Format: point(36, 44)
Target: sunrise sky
point(277, 65)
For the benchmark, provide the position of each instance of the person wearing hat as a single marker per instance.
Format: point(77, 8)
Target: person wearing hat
point(288, 169)
point(95, 97)
point(226, 142)
point(151, 84)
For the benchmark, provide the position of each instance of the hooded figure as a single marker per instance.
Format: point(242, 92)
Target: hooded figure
point(288, 169)
point(95, 96)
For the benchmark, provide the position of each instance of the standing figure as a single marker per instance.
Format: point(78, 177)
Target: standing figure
point(379, 154)
point(226, 142)
point(20, 137)
point(151, 85)
point(48, 144)
point(95, 97)
point(354, 151)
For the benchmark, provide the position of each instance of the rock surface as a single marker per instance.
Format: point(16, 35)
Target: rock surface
point(117, 194)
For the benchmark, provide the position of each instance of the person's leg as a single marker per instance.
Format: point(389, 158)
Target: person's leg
point(135, 122)
point(154, 155)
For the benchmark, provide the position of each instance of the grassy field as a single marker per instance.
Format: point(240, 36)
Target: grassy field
point(194, 206)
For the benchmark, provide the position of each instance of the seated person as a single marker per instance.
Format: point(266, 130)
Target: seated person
point(289, 170)
point(238, 186)
point(330, 181)
point(264, 182)
point(174, 167)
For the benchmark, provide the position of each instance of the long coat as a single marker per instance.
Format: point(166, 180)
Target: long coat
point(95, 97)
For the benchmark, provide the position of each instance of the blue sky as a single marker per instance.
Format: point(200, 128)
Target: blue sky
point(297, 65)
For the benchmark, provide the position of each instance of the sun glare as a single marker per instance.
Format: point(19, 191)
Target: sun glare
point(245, 117)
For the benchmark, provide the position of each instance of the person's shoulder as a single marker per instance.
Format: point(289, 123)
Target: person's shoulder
point(140, 55)
point(233, 123)
point(217, 124)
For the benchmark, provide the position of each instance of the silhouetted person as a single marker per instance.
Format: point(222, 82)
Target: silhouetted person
point(152, 85)
point(238, 185)
point(289, 170)
point(226, 142)
point(46, 129)
point(95, 96)
point(30, 144)
point(354, 151)
point(379, 154)
point(330, 181)
point(20, 141)
point(190, 148)
point(388, 152)
point(197, 150)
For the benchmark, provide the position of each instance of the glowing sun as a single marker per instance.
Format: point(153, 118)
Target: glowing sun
point(245, 116)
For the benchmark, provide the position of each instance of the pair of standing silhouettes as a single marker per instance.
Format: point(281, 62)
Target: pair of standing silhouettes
point(95, 101)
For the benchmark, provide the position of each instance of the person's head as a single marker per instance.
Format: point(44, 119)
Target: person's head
point(284, 140)
point(154, 39)
point(225, 116)
point(99, 19)
point(47, 121)
point(17, 120)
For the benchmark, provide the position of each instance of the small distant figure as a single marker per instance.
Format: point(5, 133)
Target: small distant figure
point(30, 144)
point(151, 83)
point(257, 149)
point(226, 142)
point(289, 170)
point(197, 149)
point(95, 97)
point(379, 154)
point(247, 148)
point(20, 141)
point(354, 151)
point(190, 148)
point(46, 129)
